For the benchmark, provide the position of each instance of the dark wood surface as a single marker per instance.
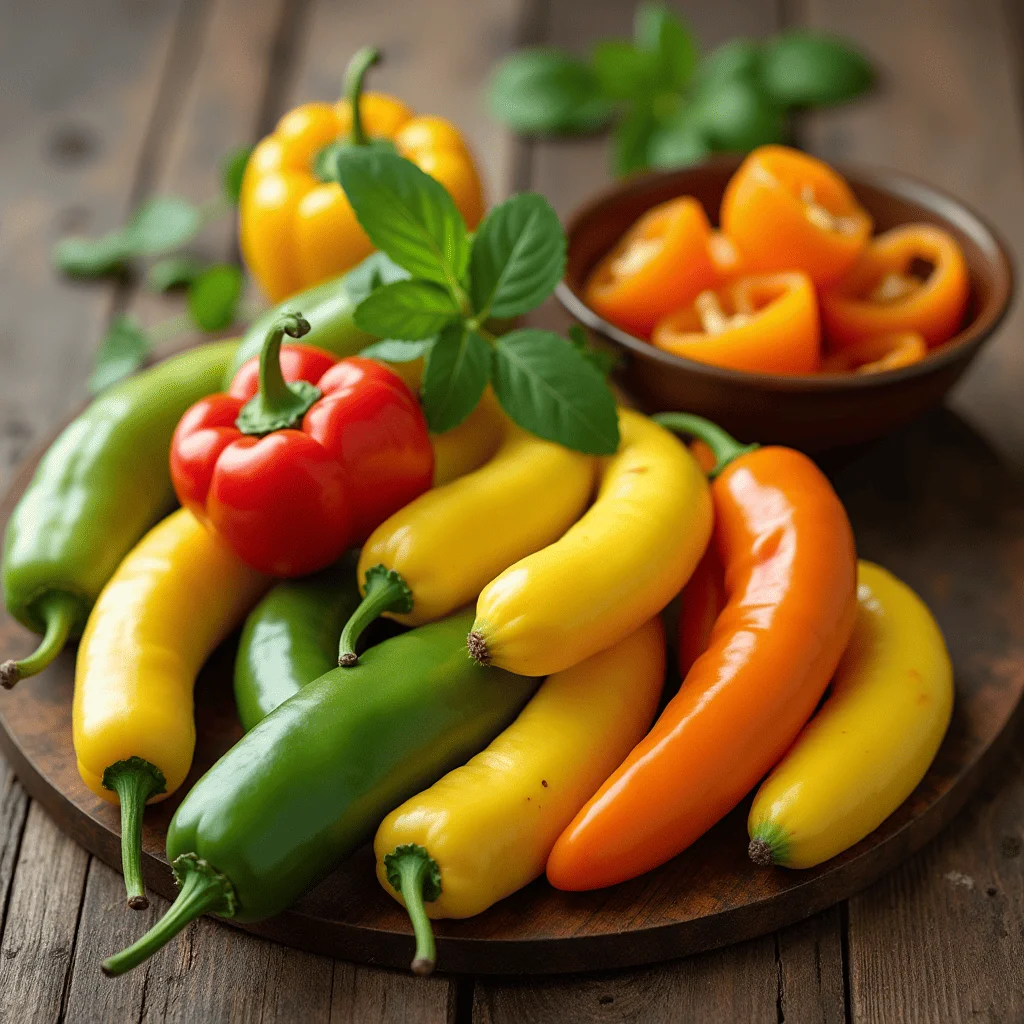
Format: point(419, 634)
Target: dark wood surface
point(105, 101)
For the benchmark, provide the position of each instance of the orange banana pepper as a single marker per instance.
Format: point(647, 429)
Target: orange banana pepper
point(765, 324)
point(877, 353)
point(785, 210)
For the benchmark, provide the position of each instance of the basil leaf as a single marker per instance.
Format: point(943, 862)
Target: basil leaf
point(173, 272)
point(232, 170)
point(457, 371)
point(631, 139)
point(213, 296)
point(393, 351)
point(549, 389)
point(325, 163)
point(739, 58)
point(658, 30)
point(406, 213)
point(91, 257)
point(679, 144)
point(810, 69)
point(162, 224)
point(376, 270)
point(623, 71)
point(122, 351)
point(407, 310)
point(518, 257)
point(603, 360)
point(540, 91)
point(738, 116)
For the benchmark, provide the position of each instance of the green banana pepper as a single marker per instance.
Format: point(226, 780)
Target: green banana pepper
point(103, 483)
point(316, 777)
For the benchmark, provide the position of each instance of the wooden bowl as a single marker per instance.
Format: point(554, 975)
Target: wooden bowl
point(810, 412)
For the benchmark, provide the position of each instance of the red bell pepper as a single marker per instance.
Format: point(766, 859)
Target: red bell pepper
point(304, 456)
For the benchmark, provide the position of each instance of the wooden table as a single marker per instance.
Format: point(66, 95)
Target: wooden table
point(105, 102)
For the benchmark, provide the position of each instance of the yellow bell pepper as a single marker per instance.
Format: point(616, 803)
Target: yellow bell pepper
point(178, 593)
point(297, 229)
point(486, 829)
point(620, 564)
point(871, 742)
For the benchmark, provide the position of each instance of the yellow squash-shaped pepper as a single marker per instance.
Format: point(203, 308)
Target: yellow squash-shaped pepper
point(434, 555)
point(872, 741)
point(486, 829)
point(469, 445)
point(297, 227)
point(178, 593)
point(620, 564)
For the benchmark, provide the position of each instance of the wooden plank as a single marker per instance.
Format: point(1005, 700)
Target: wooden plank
point(811, 975)
point(367, 995)
point(13, 811)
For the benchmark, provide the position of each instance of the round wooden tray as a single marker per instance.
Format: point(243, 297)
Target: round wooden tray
point(931, 503)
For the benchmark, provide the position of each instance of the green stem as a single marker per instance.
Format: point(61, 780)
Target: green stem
point(415, 874)
point(724, 446)
point(59, 612)
point(203, 889)
point(769, 844)
point(278, 405)
point(360, 63)
point(385, 591)
point(134, 781)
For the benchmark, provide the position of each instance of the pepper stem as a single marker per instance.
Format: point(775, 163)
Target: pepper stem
point(134, 781)
point(384, 591)
point(278, 405)
point(361, 62)
point(724, 446)
point(203, 889)
point(769, 844)
point(58, 610)
point(415, 874)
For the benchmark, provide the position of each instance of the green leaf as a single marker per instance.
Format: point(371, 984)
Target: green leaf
point(122, 351)
point(518, 257)
point(457, 371)
point(738, 58)
point(540, 92)
point(394, 351)
point(658, 30)
point(162, 224)
point(407, 310)
point(91, 257)
point(174, 272)
point(406, 213)
point(603, 360)
point(623, 71)
point(325, 163)
point(811, 69)
point(738, 116)
point(376, 270)
point(680, 144)
point(232, 170)
point(631, 139)
point(213, 296)
point(548, 388)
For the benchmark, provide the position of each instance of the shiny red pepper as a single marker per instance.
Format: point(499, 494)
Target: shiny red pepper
point(304, 456)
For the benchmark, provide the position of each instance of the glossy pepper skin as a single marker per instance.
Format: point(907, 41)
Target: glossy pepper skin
point(297, 227)
point(178, 593)
point(787, 549)
point(878, 353)
point(314, 779)
point(103, 483)
point(303, 457)
point(870, 743)
point(626, 558)
point(763, 324)
point(785, 210)
point(489, 825)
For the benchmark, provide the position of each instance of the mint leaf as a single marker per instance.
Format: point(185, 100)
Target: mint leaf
point(407, 310)
point(631, 139)
point(677, 145)
point(91, 257)
point(603, 360)
point(161, 224)
point(376, 270)
point(173, 272)
point(811, 69)
point(457, 371)
point(232, 170)
point(393, 351)
point(739, 58)
point(122, 351)
point(623, 71)
point(738, 115)
point(518, 257)
point(658, 30)
point(549, 389)
point(213, 296)
point(406, 213)
point(325, 163)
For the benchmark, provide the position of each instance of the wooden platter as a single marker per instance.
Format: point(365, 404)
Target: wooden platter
point(931, 503)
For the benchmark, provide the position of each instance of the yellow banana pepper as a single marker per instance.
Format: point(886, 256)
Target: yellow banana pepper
point(486, 829)
point(298, 228)
point(620, 564)
point(178, 593)
point(469, 445)
point(873, 739)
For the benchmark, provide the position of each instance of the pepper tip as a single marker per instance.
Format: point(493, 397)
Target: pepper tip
point(760, 853)
point(422, 967)
point(478, 648)
point(9, 674)
point(106, 970)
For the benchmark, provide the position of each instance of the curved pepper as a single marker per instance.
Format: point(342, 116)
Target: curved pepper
point(486, 829)
point(765, 324)
point(790, 584)
point(786, 210)
point(878, 353)
point(912, 278)
point(870, 743)
point(660, 264)
point(312, 781)
point(172, 600)
point(297, 227)
point(103, 483)
point(303, 456)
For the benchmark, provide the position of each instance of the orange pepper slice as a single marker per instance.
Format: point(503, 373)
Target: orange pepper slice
point(882, 294)
point(764, 324)
point(661, 263)
point(786, 210)
point(877, 353)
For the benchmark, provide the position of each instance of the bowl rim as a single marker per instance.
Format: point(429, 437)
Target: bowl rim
point(944, 205)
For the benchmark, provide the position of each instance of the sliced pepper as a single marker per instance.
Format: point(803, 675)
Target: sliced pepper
point(786, 210)
point(912, 278)
point(765, 324)
point(881, 352)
